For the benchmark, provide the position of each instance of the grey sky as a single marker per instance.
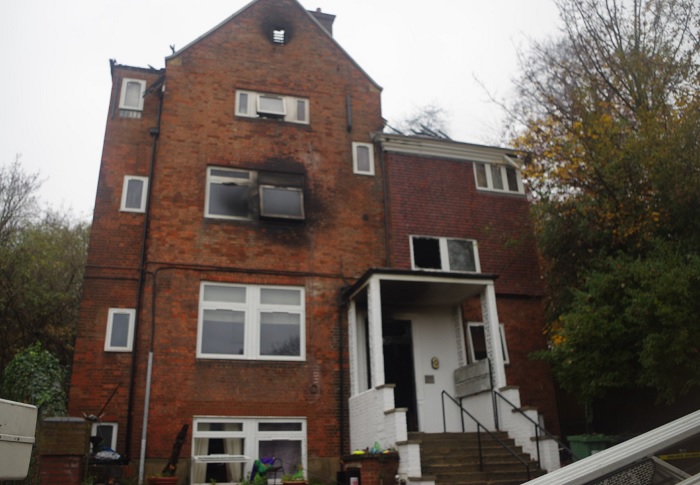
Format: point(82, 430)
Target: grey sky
point(55, 80)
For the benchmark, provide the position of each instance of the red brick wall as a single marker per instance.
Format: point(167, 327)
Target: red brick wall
point(342, 235)
point(438, 197)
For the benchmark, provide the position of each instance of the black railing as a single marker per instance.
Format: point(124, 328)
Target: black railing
point(538, 429)
point(479, 426)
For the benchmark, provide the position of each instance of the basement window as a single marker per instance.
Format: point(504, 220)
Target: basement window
point(444, 254)
point(251, 195)
point(292, 109)
point(222, 447)
point(108, 434)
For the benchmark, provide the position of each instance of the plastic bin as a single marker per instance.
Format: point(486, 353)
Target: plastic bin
point(17, 426)
point(585, 445)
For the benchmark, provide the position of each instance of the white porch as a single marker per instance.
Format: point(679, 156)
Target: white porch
point(406, 340)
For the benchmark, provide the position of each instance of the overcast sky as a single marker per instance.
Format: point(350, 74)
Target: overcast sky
point(55, 80)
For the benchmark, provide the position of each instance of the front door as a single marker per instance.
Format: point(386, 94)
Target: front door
point(399, 367)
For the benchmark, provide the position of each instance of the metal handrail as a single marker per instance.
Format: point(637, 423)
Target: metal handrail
point(538, 428)
point(478, 433)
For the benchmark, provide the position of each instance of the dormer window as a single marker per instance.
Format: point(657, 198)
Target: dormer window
point(292, 109)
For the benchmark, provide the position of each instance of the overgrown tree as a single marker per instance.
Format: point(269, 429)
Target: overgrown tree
point(35, 376)
point(610, 114)
point(42, 257)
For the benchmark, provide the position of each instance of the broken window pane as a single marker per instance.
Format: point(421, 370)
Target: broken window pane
point(228, 200)
point(426, 253)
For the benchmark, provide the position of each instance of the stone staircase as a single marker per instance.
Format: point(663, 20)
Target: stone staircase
point(453, 459)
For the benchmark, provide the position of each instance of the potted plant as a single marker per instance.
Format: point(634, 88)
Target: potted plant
point(297, 478)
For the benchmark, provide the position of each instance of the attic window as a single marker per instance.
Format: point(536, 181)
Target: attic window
point(279, 36)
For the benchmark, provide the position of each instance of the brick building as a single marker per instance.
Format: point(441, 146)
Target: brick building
point(256, 237)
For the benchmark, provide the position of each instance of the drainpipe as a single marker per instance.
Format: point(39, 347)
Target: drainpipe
point(154, 132)
point(341, 377)
point(385, 183)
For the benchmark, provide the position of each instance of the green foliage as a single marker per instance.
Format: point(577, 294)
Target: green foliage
point(35, 376)
point(42, 257)
point(610, 114)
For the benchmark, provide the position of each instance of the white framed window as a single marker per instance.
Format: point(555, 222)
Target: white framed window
point(224, 448)
point(292, 109)
point(134, 193)
point(120, 330)
point(477, 342)
point(498, 177)
point(281, 202)
point(251, 322)
point(131, 97)
point(229, 193)
point(362, 158)
point(444, 254)
point(249, 195)
point(108, 433)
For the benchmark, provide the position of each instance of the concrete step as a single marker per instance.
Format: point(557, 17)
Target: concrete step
point(453, 459)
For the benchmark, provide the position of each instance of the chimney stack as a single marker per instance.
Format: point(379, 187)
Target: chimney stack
point(325, 19)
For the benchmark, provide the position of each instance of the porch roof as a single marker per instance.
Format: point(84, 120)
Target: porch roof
point(420, 286)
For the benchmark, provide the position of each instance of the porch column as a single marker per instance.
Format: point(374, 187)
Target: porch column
point(376, 344)
point(352, 348)
point(492, 334)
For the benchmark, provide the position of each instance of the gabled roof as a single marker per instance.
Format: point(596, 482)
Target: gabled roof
point(301, 7)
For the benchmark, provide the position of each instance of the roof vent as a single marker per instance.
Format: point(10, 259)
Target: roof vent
point(279, 36)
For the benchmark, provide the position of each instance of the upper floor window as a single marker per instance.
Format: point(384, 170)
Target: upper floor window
point(134, 194)
point(363, 158)
point(250, 104)
point(249, 195)
point(251, 322)
point(120, 330)
point(131, 98)
point(444, 254)
point(498, 177)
